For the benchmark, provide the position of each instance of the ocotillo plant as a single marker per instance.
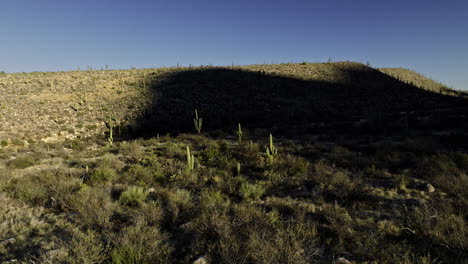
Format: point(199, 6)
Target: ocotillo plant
point(190, 160)
point(271, 150)
point(197, 122)
point(239, 132)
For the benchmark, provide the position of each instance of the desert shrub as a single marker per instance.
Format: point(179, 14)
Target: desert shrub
point(339, 220)
point(151, 212)
point(288, 169)
point(141, 175)
point(446, 172)
point(344, 185)
point(93, 206)
point(248, 234)
point(134, 196)
point(131, 149)
point(139, 244)
point(181, 197)
point(339, 181)
point(249, 154)
point(49, 189)
point(178, 205)
point(22, 162)
point(17, 142)
point(85, 247)
point(251, 192)
point(274, 177)
point(104, 172)
point(461, 159)
point(402, 180)
point(75, 144)
point(23, 229)
point(437, 226)
point(216, 155)
point(291, 243)
point(289, 207)
point(173, 150)
point(212, 198)
point(437, 165)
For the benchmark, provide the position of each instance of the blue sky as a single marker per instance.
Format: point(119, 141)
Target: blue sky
point(428, 36)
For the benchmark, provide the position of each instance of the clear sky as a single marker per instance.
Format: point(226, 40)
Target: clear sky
point(429, 36)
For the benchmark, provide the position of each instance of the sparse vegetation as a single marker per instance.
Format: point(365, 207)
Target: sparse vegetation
point(342, 186)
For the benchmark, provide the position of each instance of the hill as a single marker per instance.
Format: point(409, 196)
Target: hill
point(294, 98)
point(419, 80)
point(292, 163)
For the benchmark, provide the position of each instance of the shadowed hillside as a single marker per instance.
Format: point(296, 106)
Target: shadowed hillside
point(340, 97)
point(298, 99)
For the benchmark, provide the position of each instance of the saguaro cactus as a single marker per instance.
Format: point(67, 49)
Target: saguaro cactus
point(239, 132)
point(111, 138)
point(271, 150)
point(197, 122)
point(190, 160)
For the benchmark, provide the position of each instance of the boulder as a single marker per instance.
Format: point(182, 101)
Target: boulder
point(429, 188)
point(200, 260)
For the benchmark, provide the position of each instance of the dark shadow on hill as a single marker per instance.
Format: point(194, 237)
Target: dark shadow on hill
point(362, 100)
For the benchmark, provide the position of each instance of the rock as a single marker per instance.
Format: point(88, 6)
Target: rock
point(200, 260)
point(429, 188)
point(187, 225)
point(7, 241)
point(151, 190)
point(342, 260)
